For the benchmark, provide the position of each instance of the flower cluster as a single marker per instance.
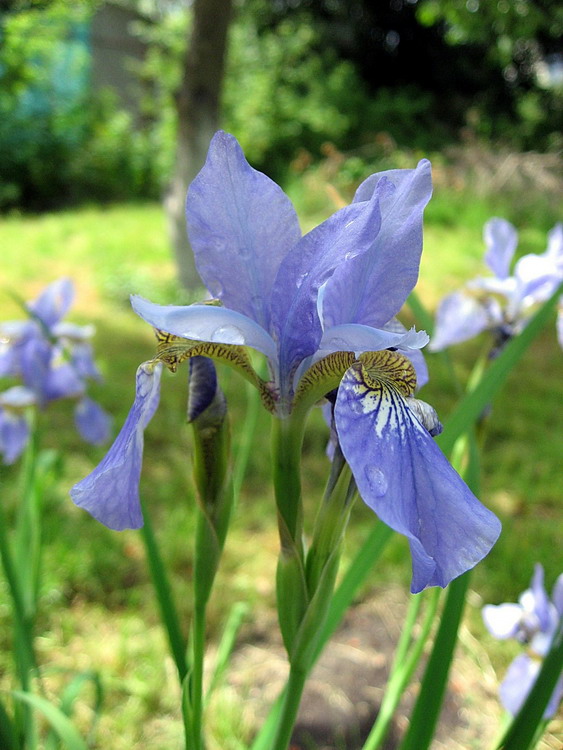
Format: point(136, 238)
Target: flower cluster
point(321, 308)
point(502, 303)
point(532, 621)
point(52, 359)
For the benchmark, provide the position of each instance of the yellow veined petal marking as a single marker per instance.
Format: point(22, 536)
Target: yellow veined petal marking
point(388, 369)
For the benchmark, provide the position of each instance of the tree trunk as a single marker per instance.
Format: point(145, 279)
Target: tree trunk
point(198, 104)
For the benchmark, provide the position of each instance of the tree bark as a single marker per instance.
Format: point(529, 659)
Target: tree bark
point(198, 107)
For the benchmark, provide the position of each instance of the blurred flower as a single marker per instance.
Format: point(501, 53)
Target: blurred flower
point(502, 303)
point(53, 359)
point(321, 309)
point(533, 621)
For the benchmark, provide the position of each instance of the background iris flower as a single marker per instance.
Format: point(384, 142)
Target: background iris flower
point(53, 359)
point(502, 303)
point(532, 621)
point(321, 308)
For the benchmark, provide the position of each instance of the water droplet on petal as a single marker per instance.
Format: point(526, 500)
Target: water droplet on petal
point(376, 480)
point(216, 289)
point(227, 335)
point(300, 279)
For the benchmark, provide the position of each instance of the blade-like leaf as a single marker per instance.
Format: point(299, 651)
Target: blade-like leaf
point(62, 725)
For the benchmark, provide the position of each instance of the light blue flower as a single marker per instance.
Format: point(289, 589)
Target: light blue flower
point(532, 621)
point(53, 359)
point(502, 303)
point(321, 308)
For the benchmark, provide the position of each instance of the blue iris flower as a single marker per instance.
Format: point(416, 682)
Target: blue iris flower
point(52, 359)
point(316, 305)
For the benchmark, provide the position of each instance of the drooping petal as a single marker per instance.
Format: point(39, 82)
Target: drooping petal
point(501, 239)
point(404, 477)
point(111, 492)
point(372, 287)
point(206, 323)
point(54, 302)
point(458, 318)
point(295, 320)
point(14, 434)
point(241, 225)
point(502, 620)
point(92, 422)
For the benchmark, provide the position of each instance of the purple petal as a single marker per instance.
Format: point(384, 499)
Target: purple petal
point(557, 596)
point(241, 225)
point(54, 302)
point(83, 361)
point(206, 323)
point(502, 620)
point(541, 600)
point(458, 318)
point(92, 422)
point(501, 239)
point(202, 386)
point(295, 320)
point(405, 478)
point(360, 338)
point(62, 382)
point(14, 434)
point(519, 680)
point(111, 492)
point(372, 287)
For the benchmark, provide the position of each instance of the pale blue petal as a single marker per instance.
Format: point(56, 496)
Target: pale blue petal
point(541, 599)
point(241, 225)
point(92, 422)
point(404, 477)
point(111, 492)
point(295, 320)
point(54, 302)
point(359, 338)
point(502, 620)
point(501, 240)
point(372, 287)
point(519, 680)
point(458, 318)
point(557, 596)
point(62, 382)
point(14, 434)
point(206, 323)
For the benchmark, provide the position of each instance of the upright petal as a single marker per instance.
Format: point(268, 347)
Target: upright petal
point(54, 302)
point(405, 478)
point(111, 492)
point(501, 240)
point(371, 288)
point(241, 225)
point(295, 320)
point(92, 422)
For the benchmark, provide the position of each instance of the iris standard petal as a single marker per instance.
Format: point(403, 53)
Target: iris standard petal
point(111, 492)
point(54, 302)
point(372, 287)
point(206, 323)
point(92, 422)
point(404, 477)
point(241, 225)
point(458, 318)
point(501, 239)
point(295, 320)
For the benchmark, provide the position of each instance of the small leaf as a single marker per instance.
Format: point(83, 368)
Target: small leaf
point(57, 719)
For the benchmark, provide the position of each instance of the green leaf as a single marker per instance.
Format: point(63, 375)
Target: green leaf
point(7, 733)
point(57, 719)
point(226, 645)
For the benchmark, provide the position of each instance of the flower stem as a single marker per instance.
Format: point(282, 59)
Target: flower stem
point(290, 708)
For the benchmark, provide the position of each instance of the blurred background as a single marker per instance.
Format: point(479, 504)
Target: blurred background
point(106, 111)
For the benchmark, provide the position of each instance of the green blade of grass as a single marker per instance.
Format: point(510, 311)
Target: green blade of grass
point(165, 599)
point(62, 725)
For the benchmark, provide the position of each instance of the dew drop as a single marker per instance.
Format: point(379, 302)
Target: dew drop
point(227, 335)
point(216, 289)
point(301, 279)
point(376, 480)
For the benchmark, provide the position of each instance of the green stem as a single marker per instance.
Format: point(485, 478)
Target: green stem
point(196, 675)
point(287, 440)
point(290, 708)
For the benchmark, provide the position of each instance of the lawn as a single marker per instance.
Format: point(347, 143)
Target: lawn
point(98, 610)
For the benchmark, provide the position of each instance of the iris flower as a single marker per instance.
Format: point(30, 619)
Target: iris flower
point(532, 621)
point(53, 359)
point(502, 303)
point(321, 308)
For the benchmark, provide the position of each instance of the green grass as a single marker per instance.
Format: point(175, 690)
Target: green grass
point(98, 610)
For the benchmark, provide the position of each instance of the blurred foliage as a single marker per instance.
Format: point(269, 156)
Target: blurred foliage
point(301, 74)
